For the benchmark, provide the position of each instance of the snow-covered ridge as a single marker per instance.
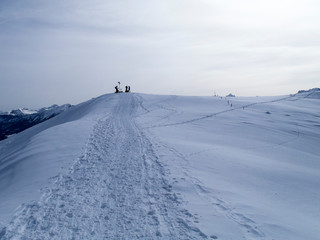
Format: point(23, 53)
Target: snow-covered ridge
point(138, 166)
point(20, 119)
point(21, 111)
point(311, 93)
point(48, 110)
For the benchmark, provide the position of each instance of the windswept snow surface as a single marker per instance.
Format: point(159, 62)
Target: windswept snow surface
point(136, 166)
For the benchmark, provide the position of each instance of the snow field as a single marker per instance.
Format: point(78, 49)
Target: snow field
point(253, 174)
point(116, 190)
point(136, 166)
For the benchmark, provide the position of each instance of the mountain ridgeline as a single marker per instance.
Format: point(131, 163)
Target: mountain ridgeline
point(18, 120)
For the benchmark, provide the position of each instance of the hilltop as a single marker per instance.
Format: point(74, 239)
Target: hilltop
point(138, 166)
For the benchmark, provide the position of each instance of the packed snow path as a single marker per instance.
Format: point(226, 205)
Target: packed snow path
point(137, 166)
point(116, 190)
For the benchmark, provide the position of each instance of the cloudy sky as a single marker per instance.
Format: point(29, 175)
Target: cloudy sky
point(68, 51)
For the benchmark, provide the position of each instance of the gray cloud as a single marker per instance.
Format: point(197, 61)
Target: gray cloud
point(69, 51)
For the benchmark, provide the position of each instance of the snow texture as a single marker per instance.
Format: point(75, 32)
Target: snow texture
point(136, 166)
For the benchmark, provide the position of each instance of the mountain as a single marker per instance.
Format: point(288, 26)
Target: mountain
point(20, 119)
point(311, 93)
point(137, 166)
point(230, 95)
point(21, 112)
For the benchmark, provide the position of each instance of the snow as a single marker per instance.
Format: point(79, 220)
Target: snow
point(18, 120)
point(22, 111)
point(29, 160)
point(27, 111)
point(46, 111)
point(137, 166)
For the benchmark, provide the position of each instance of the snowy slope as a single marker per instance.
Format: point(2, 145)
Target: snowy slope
point(29, 159)
point(136, 166)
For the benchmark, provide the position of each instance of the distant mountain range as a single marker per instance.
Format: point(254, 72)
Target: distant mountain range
point(20, 119)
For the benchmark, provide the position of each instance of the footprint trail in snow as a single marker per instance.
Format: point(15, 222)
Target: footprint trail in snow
point(116, 190)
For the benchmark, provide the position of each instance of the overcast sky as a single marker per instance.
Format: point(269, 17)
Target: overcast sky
point(68, 51)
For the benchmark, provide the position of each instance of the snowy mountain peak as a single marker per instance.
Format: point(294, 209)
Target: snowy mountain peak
point(54, 109)
point(20, 119)
point(21, 111)
point(25, 111)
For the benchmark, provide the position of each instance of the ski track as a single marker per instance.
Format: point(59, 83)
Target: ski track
point(249, 227)
point(118, 189)
point(289, 98)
